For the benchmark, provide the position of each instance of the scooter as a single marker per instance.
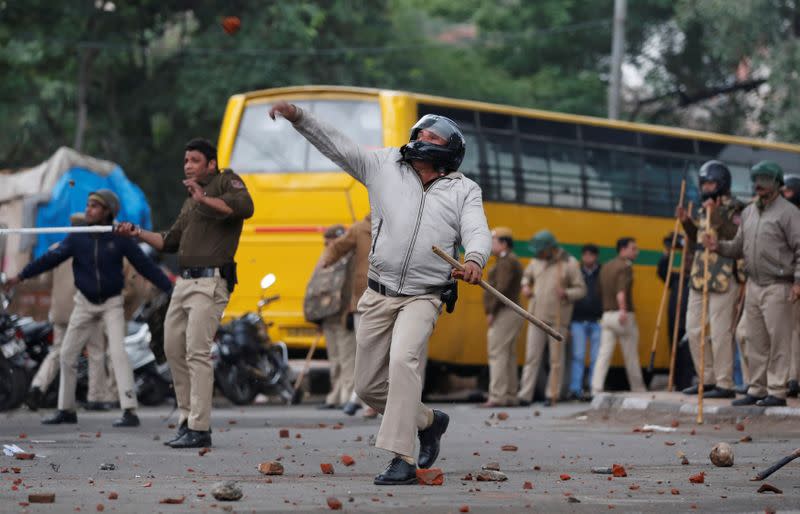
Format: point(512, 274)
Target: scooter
point(247, 361)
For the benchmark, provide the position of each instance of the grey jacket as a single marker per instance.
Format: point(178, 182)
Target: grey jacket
point(769, 240)
point(407, 221)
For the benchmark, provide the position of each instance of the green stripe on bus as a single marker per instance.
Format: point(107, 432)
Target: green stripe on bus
point(646, 257)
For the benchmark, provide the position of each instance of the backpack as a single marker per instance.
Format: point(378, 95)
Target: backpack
point(325, 292)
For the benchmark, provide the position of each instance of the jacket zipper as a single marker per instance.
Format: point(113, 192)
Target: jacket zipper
point(97, 266)
point(407, 260)
point(377, 234)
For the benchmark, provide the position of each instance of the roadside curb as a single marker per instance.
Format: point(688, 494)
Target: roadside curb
point(621, 403)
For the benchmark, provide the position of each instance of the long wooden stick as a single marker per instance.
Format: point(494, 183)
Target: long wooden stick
point(503, 298)
point(665, 291)
point(91, 229)
point(678, 311)
point(307, 363)
point(775, 467)
point(703, 320)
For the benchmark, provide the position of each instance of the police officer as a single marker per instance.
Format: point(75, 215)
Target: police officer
point(769, 240)
point(791, 191)
point(552, 282)
point(723, 287)
point(418, 200)
point(504, 324)
point(205, 235)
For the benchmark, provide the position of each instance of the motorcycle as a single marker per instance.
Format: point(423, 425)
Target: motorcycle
point(152, 378)
point(247, 361)
point(13, 374)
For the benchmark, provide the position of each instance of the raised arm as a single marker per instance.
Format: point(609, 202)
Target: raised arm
point(339, 247)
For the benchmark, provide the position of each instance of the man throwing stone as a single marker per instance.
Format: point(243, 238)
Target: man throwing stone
point(418, 200)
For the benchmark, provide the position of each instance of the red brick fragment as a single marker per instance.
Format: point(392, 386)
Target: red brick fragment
point(565, 477)
point(675, 423)
point(334, 503)
point(502, 416)
point(148, 484)
point(271, 468)
point(537, 468)
point(23, 435)
point(24, 456)
point(113, 496)
point(618, 471)
point(327, 468)
point(100, 507)
point(283, 433)
point(699, 478)
point(24, 504)
point(768, 488)
point(172, 501)
point(746, 439)
point(740, 427)
point(348, 460)
point(675, 492)
point(527, 485)
point(16, 470)
point(98, 435)
point(463, 508)
point(203, 451)
point(171, 426)
point(432, 476)
point(669, 443)
point(509, 448)
point(467, 477)
point(42, 498)
point(232, 421)
point(634, 487)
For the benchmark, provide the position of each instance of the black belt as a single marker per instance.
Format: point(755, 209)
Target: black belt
point(198, 272)
point(385, 291)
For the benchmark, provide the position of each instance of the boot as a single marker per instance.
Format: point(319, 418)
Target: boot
point(792, 389)
point(399, 472)
point(128, 419)
point(180, 433)
point(34, 398)
point(61, 416)
point(429, 439)
point(696, 389)
point(193, 439)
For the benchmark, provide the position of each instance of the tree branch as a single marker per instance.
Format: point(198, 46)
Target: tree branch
point(684, 99)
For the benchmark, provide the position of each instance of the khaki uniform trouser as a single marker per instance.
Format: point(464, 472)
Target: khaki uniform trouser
point(628, 335)
point(741, 338)
point(718, 362)
point(534, 350)
point(341, 347)
point(392, 341)
point(191, 322)
point(83, 325)
point(794, 365)
point(769, 336)
point(502, 348)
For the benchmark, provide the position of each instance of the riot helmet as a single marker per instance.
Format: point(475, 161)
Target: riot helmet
point(792, 183)
point(767, 169)
point(445, 158)
point(717, 172)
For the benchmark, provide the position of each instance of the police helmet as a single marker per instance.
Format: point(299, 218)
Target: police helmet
point(717, 172)
point(445, 158)
point(792, 183)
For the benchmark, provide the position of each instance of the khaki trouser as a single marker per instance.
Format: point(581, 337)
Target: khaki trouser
point(102, 384)
point(741, 338)
point(718, 361)
point(769, 332)
point(794, 365)
point(502, 348)
point(534, 350)
point(628, 335)
point(191, 322)
point(341, 346)
point(83, 323)
point(392, 340)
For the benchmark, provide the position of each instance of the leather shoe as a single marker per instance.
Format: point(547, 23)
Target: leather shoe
point(34, 398)
point(398, 472)
point(792, 389)
point(772, 401)
point(128, 419)
point(747, 400)
point(193, 439)
point(696, 389)
point(548, 402)
point(180, 433)
point(61, 416)
point(350, 408)
point(429, 439)
point(720, 392)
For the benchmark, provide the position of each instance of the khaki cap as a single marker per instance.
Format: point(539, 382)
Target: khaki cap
point(502, 232)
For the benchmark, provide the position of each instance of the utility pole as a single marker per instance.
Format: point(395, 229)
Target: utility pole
point(617, 54)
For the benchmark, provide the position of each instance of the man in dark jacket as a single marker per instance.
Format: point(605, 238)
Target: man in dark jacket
point(585, 323)
point(97, 268)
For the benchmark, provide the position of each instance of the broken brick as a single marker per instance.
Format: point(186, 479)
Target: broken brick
point(674, 424)
point(327, 468)
point(148, 484)
point(669, 443)
point(527, 485)
point(203, 451)
point(24, 456)
point(432, 476)
point(42, 498)
point(509, 448)
point(16, 470)
point(334, 503)
point(675, 492)
point(467, 477)
point(232, 421)
point(746, 439)
point(634, 487)
point(271, 468)
point(283, 433)
point(172, 501)
point(347, 460)
point(23, 435)
point(502, 416)
point(492, 466)
point(565, 477)
point(113, 496)
point(618, 471)
point(699, 478)
point(767, 488)
point(491, 476)
point(463, 508)
point(740, 427)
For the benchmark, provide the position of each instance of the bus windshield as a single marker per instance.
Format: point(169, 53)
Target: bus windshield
point(266, 146)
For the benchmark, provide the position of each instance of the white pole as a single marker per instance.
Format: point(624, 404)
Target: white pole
point(617, 55)
point(58, 230)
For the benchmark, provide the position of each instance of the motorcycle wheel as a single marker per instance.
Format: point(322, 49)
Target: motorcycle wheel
point(236, 385)
point(152, 390)
point(14, 386)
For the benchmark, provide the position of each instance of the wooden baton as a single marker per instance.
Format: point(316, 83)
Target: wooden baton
point(775, 467)
point(703, 323)
point(678, 310)
point(503, 298)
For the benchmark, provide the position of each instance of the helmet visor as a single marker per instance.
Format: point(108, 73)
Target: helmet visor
point(439, 125)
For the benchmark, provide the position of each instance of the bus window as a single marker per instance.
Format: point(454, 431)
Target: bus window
point(535, 172)
point(264, 146)
point(659, 143)
point(614, 181)
point(565, 172)
point(546, 128)
point(608, 136)
point(500, 168)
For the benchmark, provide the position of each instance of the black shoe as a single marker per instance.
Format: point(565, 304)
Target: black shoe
point(720, 392)
point(61, 416)
point(180, 433)
point(193, 439)
point(523, 403)
point(128, 419)
point(398, 472)
point(792, 389)
point(548, 402)
point(97, 406)
point(429, 439)
point(772, 401)
point(34, 398)
point(747, 400)
point(696, 389)
point(326, 406)
point(350, 408)
point(742, 389)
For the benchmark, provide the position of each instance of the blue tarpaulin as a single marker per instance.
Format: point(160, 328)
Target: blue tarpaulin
point(70, 194)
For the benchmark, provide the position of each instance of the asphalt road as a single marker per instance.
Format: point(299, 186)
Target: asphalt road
point(561, 440)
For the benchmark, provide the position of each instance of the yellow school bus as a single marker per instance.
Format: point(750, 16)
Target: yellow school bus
point(588, 180)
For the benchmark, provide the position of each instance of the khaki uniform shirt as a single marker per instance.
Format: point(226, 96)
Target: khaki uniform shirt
point(544, 277)
point(616, 276)
point(506, 277)
point(357, 239)
point(204, 237)
point(724, 223)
